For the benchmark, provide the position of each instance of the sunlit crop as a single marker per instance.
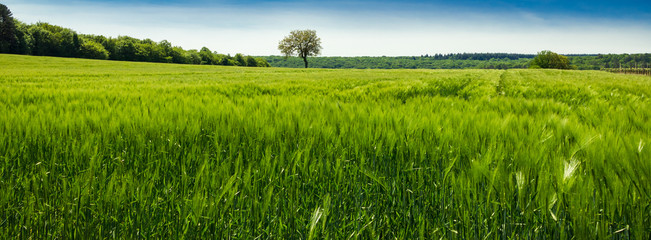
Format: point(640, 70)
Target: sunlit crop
point(103, 149)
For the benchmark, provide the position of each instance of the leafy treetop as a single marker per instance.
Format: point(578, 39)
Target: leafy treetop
point(549, 59)
point(302, 43)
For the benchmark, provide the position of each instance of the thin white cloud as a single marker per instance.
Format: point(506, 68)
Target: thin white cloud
point(400, 32)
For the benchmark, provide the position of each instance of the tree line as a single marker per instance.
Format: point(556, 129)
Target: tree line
point(465, 61)
point(479, 56)
point(604, 61)
point(43, 39)
point(397, 63)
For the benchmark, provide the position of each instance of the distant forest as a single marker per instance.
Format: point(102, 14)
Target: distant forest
point(464, 61)
point(43, 39)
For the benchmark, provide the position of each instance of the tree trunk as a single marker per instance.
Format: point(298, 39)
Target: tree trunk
point(305, 60)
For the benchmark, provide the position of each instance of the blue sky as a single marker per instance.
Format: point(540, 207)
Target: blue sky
point(361, 27)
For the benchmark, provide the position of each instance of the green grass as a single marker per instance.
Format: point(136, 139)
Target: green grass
point(102, 149)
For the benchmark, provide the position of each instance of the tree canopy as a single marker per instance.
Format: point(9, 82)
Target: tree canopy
point(549, 59)
point(8, 39)
point(301, 43)
point(44, 39)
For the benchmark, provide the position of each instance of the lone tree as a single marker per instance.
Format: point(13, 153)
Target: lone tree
point(549, 59)
point(302, 43)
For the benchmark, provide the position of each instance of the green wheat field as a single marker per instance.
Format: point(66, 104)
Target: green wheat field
point(105, 149)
